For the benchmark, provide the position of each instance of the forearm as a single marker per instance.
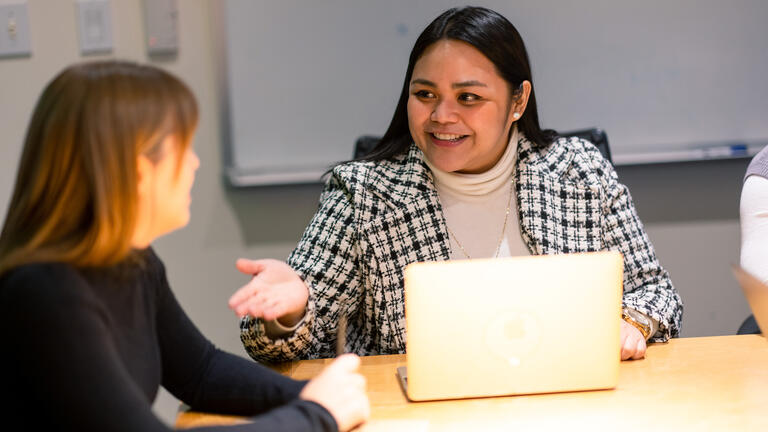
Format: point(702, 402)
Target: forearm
point(647, 285)
point(234, 385)
point(299, 415)
point(649, 291)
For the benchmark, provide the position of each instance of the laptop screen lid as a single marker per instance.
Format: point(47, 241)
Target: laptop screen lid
point(516, 325)
point(756, 293)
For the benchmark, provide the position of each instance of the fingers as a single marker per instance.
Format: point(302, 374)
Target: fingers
point(360, 382)
point(346, 363)
point(244, 295)
point(272, 309)
point(261, 300)
point(626, 349)
point(639, 350)
point(235, 302)
point(253, 306)
point(362, 407)
point(341, 390)
point(275, 291)
point(625, 354)
point(632, 347)
point(366, 408)
point(249, 267)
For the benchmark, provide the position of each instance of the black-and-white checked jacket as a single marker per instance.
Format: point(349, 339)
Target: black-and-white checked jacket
point(376, 217)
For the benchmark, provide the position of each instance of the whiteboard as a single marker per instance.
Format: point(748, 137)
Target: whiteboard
point(303, 79)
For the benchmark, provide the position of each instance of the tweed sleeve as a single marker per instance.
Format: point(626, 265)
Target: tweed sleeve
point(326, 259)
point(647, 285)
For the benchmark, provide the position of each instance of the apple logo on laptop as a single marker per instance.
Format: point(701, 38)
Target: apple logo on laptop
point(512, 334)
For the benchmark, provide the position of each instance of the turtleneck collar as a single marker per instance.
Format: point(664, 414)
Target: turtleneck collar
point(482, 183)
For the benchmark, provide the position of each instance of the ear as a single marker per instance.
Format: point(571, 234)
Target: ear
point(145, 170)
point(520, 100)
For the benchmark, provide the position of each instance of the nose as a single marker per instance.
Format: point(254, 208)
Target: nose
point(444, 112)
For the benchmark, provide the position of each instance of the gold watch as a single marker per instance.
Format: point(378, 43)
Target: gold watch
point(637, 320)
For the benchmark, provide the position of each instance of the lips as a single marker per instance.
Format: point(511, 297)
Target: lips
point(447, 139)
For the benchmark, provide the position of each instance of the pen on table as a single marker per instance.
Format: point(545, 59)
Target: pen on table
point(341, 334)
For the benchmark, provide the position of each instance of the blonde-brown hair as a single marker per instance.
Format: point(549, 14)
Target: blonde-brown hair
point(75, 198)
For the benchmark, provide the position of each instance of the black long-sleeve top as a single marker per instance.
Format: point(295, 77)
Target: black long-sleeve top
point(87, 350)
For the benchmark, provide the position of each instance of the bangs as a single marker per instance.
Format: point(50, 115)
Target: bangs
point(173, 103)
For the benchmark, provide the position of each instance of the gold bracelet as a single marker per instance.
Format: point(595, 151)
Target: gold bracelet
point(644, 330)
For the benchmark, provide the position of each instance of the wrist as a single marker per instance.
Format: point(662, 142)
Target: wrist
point(637, 320)
point(292, 318)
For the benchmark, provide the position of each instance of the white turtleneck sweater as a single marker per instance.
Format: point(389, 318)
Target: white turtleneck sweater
point(474, 207)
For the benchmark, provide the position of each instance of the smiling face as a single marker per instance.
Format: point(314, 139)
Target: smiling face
point(460, 110)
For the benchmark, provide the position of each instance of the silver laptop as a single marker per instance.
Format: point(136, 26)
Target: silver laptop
point(509, 326)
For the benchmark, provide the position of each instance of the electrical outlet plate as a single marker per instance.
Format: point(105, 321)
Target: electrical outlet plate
point(161, 18)
point(94, 26)
point(14, 31)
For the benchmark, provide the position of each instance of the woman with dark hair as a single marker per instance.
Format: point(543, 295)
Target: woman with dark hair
point(464, 171)
point(89, 325)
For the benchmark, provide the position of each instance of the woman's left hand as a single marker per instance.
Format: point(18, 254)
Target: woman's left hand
point(632, 342)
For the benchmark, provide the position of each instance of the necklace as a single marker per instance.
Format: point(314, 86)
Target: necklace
point(503, 227)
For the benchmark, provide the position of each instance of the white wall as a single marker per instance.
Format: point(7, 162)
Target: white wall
point(690, 211)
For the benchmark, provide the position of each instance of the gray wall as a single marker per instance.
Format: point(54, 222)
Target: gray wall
point(690, 210)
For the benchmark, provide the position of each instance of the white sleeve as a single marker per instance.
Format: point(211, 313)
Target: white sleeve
point(754, 226)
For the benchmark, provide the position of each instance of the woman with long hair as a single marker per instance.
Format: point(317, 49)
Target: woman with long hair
point(463, 171)
point(90, 327)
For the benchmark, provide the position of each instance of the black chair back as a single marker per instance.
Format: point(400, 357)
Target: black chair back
point(596, 136)
point(365, 144)
point(749, 326)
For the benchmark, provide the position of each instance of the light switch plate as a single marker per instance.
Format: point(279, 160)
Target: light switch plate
point(14, 30)
point(94, 25)
point(161, 19)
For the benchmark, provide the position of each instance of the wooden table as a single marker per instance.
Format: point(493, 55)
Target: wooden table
point(712, 383)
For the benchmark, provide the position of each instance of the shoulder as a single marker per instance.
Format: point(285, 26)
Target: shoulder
point(579, 148)
point(758, 166)
point(762, 154)
point(364, 173)
point(151, 263)
point(396, 179)
point(754, 196)
point(42, 285)
point(566, 156)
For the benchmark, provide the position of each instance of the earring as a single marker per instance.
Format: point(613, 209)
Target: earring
point(516, 115)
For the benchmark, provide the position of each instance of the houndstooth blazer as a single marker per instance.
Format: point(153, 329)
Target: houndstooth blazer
point(376, 217)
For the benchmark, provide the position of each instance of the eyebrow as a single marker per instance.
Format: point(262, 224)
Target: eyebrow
point(471, 83)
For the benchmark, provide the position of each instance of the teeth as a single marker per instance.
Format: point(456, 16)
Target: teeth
point(446, 137)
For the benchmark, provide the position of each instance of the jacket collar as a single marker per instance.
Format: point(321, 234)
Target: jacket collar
point(404, 179)
point(553, 160)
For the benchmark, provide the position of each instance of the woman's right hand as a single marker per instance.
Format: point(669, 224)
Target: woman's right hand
point(341, 390)
point(275, 291)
